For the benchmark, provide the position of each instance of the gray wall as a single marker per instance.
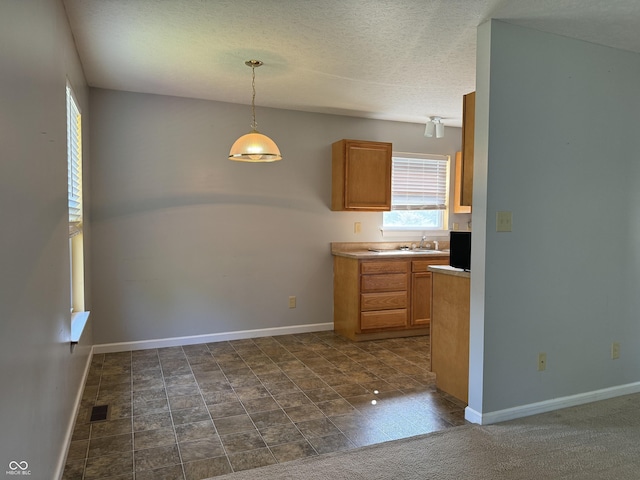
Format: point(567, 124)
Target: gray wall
point(557, 145)
point(39, 377)
point(187, 242)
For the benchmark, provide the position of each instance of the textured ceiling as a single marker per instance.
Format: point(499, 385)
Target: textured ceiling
point(401, 60)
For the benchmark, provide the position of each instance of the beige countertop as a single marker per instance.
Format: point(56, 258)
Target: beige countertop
point(447, 270)
point(383, 250)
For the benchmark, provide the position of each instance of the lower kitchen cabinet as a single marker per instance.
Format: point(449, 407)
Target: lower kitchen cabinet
point(421, 291)
point(385, 298)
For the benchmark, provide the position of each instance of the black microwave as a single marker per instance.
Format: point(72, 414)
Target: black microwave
point(460, 250)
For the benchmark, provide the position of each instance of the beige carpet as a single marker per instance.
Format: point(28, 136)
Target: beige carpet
point(600, 440)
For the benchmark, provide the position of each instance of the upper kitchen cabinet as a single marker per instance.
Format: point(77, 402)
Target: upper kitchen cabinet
point(361, 176)
point(457, 188)
point(468, 131)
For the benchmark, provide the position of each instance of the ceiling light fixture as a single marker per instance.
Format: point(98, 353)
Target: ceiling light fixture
point(254, 147)
point(434, 125)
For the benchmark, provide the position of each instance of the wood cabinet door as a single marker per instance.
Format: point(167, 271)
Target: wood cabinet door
point(468, 138)
point(421, 299)
point(457, 188)
point(367, 176)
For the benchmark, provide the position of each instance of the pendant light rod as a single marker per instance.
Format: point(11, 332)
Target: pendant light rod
point(253, 64)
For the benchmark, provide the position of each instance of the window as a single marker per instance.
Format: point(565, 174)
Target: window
point(74, 188)
point(419, 192)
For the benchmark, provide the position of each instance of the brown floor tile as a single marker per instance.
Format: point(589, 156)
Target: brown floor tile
point(306, 379)
point(195, 431)
point(200, 449)
point(279, 434)
point(119, 410)
point(228, 409)
point(78, 449)
point(73, 469)
point(331, 443)
point(293, 451)
point(322, 395)
point(175, 380)
point(335, 407)
point(157, 457)
point(272, 417)
point(108, 466)
point(154, 438)
point(190, 415)
point(292, 400)
point(211, 467)
point(454, 418)
point(247, 393)
point(235, 424)
point(366, 436)
point(260, 404)
point(152, 421)
point(320, 427)
point(167, 473)
point(109, 445)
point(273, 377)
point(110, 427)
point(217, 397)
point(81, 431)
point(182, 390)
point(350, 389)
point(142, 397)
point(150, 407)
point(245, 381)
point(251, 459)
point(304, 413)
point(282, 388)
point(185, 401)
point(241, 442)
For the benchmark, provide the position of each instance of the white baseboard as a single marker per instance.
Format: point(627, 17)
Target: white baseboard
point(209, 338)
point(76, 408)
point(474, 416)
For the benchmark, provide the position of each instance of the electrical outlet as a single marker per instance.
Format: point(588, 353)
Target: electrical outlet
point(542, 361)
point(615, 350)
point(357, 227)
point(503, 221)
point(292, 302)
point(456, 226)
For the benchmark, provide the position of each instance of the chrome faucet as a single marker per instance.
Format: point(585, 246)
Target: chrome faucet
point(424, 237)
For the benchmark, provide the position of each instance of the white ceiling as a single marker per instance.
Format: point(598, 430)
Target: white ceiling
point(401, 60)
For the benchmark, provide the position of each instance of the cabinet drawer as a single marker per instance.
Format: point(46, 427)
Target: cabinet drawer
point(386, 319)
point(384, 283)
point(383, 301)
point(367, 268)
point(423, 265)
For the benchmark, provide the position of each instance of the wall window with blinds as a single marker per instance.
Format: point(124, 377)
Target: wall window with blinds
point(419, 192)
point(74, 189)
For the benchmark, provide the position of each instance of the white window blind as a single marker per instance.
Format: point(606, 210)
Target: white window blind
point(419, 183)
point(74, 164)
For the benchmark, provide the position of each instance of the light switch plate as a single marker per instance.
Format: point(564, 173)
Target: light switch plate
point(503, 221)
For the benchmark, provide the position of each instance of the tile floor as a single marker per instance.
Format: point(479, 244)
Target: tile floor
point(199, 411)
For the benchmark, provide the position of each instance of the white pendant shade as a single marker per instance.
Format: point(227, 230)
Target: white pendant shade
point(254, 147)
point(429, 129)
point(434, 125)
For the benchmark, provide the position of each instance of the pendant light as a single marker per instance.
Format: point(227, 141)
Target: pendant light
point(254, 147)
